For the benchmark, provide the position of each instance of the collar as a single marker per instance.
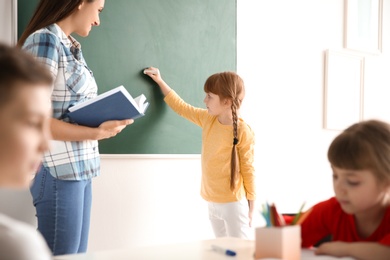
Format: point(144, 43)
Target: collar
point(68, 41)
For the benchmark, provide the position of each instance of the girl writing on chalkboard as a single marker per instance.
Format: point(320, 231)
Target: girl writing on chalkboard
point(228, 179)
point(62, 192)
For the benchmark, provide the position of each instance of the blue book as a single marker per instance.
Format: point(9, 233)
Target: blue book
point(115, 104)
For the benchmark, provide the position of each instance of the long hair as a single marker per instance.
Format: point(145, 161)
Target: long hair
point(17, 66)
point(229, 86)
point(49, 12)
point(363, 146)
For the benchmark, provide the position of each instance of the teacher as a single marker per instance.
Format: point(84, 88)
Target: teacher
point(61, 190)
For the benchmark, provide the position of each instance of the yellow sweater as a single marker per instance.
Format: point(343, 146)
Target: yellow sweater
point(217, 144)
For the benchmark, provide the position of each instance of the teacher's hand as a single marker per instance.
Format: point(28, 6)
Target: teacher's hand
point(111, 128)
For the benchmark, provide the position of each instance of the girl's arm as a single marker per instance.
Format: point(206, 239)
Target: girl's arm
point(64, 131)
point(194, 114)
point(359, 250)
point(251, 204)
point(154, 73)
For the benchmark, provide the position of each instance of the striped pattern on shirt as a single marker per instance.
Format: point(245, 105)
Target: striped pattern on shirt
point(73, 83)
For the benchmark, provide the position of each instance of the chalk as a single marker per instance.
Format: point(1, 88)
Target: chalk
point(150, 71)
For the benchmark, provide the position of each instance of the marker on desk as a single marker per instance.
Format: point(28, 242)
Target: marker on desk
point(223, 250)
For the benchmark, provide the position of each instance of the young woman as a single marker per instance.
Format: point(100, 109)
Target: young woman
point(358, 217)
point(24, 135)
point(228, 179)
point(62, 187)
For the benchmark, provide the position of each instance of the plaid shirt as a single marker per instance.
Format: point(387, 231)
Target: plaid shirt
point(73, 83)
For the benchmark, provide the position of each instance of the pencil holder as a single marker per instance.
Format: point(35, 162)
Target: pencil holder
point(278, 242)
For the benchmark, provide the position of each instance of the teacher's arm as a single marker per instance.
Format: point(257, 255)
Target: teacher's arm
point(64, 131)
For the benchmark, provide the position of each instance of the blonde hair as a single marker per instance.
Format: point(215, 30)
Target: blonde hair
point(229, 86)
point(363, 146)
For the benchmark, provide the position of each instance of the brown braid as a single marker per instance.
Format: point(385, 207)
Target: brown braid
point(234, 175)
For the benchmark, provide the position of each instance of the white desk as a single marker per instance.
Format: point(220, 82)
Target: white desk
point(199, 250)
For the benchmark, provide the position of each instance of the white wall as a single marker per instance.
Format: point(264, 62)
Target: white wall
point(141, 201)
point(280, 57)
point(281, 48)
point(281, 44)
point(8, 21)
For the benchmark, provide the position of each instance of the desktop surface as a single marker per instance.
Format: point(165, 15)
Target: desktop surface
point(198, 250)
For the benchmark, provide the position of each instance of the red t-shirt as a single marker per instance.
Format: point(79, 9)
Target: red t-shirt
point(327, 218)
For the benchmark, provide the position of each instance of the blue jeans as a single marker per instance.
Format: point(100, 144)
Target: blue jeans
point(63, 212)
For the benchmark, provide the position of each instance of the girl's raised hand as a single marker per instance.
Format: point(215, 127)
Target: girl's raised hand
point(154, 73)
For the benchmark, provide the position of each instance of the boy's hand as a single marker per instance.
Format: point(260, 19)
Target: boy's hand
point(336, 248)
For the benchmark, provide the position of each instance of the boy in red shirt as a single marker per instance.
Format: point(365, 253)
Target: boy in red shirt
point(358, 217)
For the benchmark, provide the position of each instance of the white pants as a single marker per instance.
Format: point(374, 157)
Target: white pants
point(230, 219)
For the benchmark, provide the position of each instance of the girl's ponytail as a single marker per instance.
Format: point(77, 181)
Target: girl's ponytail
point(235, 169)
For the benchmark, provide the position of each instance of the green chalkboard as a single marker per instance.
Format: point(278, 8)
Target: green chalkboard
point(188, 40)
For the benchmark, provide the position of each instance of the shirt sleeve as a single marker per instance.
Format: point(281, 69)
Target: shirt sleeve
point(386, 240)
point(184, 109)
point(314, 227)
point(20, 241)
point(246, 154)
point(46, 48)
